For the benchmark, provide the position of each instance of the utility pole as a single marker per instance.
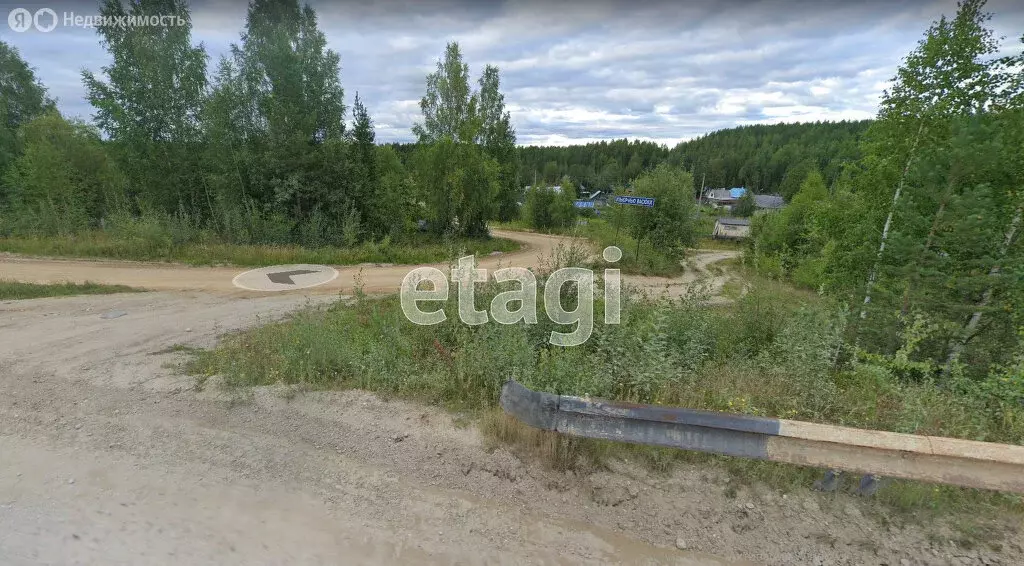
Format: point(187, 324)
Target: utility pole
point(700, 197)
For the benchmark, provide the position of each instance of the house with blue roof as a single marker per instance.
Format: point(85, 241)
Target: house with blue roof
point(725, 197)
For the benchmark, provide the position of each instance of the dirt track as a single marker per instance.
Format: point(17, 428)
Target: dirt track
point(176, 277)
point(108, 455)
point(375, 278)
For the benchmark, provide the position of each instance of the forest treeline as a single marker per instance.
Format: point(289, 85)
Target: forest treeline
point(260, 149)
point(768, 159)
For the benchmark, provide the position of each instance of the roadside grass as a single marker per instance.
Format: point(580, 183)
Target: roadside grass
point(14, 290)
point(770, 353)
point(416, 249)
point(709, 243)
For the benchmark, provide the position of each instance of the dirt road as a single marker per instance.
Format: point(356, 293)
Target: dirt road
point(109, 455)
point(176, 277)
point(696, 272)
point(537, 251)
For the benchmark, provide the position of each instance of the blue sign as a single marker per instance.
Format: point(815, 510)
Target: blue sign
point(583, 204)
point(636, 201)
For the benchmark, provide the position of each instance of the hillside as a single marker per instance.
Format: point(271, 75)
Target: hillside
point(756, 156)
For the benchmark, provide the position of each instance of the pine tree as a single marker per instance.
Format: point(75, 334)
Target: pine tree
point(366, 196)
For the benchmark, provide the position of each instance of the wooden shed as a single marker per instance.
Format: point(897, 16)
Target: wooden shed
point(731, 229)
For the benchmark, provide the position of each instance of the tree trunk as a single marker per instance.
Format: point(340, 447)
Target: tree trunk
point(888, 223)
point(958, 345)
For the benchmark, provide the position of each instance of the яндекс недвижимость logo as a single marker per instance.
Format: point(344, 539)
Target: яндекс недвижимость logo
point(46, 20)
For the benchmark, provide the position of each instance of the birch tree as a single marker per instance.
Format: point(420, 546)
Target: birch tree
point(148, 100)
point(945, 76)
point(461, 137)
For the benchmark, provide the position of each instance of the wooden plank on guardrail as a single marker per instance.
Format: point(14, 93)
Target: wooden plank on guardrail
point(950, 461)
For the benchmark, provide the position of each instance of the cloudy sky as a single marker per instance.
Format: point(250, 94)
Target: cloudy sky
point(579, 71)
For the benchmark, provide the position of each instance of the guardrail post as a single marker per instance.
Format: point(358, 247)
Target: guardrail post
point(830, 482)
point(869, 484)
point(535, 408)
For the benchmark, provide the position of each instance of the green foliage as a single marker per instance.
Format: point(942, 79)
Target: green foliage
point(449, 106)
point(465, 159)
point(924, 229)
point(794, 177)
point(770, 159)
point(499, 141)
point(62, 182)
point(538, 206)
point(261, 157)
point(548, 209)
point(22, 98)
point(459, 183)
point(563, 212)
point(670, 225)
point(769, 354)
point(158, 237)
point(789, 237)
point(941, 177)
point(150, 103)
point(745, 206)
point(278, 122)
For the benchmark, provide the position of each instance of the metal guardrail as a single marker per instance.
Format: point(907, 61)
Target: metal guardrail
point(933, 459)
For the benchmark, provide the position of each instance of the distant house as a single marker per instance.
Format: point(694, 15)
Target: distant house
point(731, 229)
point(727, 198)
point(724, 198)
point(769, 202)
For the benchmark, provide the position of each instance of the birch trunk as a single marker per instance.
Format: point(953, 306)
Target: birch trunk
point(888, 223)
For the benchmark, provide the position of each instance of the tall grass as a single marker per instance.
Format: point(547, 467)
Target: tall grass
point(16, 290)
